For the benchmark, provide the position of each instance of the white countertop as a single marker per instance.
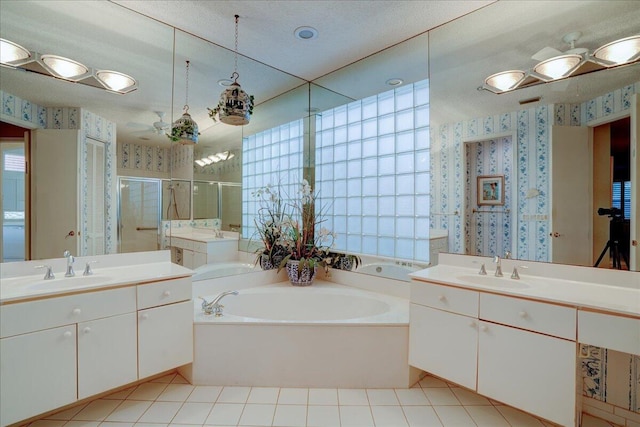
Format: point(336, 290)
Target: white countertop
point(202, 235)
point(18, 287)
point(617, 292)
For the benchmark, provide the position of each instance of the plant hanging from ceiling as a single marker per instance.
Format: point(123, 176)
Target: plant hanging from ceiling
point(235, 106)
point(185, 129)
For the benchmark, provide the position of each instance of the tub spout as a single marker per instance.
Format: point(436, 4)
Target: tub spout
point(214, 307)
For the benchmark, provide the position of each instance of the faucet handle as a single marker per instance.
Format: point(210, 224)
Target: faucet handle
point(507, 255)
point(515, 274)
point(483, 270)
point(49, 274)
point(87, 268)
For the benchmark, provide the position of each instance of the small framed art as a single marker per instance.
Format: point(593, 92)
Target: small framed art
point(490, 190)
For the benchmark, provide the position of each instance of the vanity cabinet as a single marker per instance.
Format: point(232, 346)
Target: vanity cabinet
point(517, 351)
point(38, 372)
point(57, 350)
point(609, 331)
point(165, 326)
point(443, 333)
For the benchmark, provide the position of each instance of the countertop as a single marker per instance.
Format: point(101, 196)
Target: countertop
point(618, 294)
point(29, 287)
point(201, 235)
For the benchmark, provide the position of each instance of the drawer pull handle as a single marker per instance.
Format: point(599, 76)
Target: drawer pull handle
point(76, 311)
point(523, 314)
point(144, 316)
point(442, 298)
point(86, 330)
point(484, 328)
point(67, 334)
point(166, 293)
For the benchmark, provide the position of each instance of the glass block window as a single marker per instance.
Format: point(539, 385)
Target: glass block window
point(372, 173)
point(272, 157)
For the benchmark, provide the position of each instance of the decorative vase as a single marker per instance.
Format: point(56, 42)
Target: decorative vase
point(300, 276)
point(265, 262)
point(345, 263)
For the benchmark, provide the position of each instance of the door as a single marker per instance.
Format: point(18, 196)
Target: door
point(13, 204)
point(634, 250)
point(138, 215)
point(95, 239)
point(570, 227)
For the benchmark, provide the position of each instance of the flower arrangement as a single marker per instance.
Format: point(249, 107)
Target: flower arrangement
point(290, 228)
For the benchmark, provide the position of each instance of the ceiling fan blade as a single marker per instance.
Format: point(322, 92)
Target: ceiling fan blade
point(546, 53)
point(143, 126)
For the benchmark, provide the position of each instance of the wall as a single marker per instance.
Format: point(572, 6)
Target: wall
point(143, 161)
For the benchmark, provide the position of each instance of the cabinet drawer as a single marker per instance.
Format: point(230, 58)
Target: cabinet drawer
point(165, 292)
point(609, 331)
point(47, 313)
point(200, 247)
point(446, 298)
point(534, 316)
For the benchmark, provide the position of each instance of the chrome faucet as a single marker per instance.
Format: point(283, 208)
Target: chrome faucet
point(49, 274)
point(87, 268)
point(214, 307)
point(498, 261)
point(70, 260)
point(218, 233)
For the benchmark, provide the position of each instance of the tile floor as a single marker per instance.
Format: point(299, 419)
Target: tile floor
point(172, 401)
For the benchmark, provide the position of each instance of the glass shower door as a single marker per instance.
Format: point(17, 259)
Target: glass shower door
point(139, 214)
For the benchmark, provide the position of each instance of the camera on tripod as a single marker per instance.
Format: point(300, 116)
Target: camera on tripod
point(618, 244)
point(610, 212)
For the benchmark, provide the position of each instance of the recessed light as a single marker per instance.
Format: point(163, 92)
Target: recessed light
point(225, 82)
point(305, 33)
point(394, 82)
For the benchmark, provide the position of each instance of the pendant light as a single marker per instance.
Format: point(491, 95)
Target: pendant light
point(235, 105)
point(185, 129)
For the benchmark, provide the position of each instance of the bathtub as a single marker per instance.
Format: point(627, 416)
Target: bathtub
point(389, 270)
point(214, 270)
point(326, 335)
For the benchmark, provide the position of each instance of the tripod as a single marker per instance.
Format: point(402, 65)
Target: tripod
point(616, 227)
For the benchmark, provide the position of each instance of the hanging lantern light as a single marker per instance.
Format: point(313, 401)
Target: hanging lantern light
point(235, 105)
point(185, 129)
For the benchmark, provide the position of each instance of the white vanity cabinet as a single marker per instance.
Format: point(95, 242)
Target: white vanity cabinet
point(527, 356)
point(621, 333)
point(58, 349)
point(517, 351)
point(165, 326)
point(37, 373)
point(443, 332)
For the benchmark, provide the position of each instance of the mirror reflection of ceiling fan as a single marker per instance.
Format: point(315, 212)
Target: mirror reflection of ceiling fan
point(159, 127)
point(550, 52)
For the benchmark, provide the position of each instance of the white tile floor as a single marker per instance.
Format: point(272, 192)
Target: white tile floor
point(172, 401)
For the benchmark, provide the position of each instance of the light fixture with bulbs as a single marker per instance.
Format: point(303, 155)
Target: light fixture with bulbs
point(573, 63)
point(13, 55)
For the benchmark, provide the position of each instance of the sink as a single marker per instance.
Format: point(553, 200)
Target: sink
point(33, 283)
point(497, 282)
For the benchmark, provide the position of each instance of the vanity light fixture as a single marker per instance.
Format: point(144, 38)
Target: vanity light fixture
point(620, 51)
point(575, 62)
point(12, 52)
point(12, 55)
point(558, 67)
point(215, 158)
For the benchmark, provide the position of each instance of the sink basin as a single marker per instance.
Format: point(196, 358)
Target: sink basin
point(497, 282)
point(32, 283)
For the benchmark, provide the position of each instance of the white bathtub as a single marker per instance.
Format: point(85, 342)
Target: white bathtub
point(214, 270)
point(326, 335)
point(388, 270)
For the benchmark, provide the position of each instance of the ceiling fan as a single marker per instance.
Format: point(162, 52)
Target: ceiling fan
point(159, 127)
point(550, 52)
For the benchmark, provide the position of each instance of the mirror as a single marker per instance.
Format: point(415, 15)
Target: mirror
point(206, 199)
point(504, 36)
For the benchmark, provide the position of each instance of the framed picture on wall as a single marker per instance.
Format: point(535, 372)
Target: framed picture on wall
point(490, 190)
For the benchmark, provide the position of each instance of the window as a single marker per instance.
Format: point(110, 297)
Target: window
point(622, 197)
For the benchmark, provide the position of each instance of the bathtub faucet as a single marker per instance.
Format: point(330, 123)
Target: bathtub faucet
point(214, 307)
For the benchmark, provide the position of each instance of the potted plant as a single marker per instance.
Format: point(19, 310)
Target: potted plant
point(269, 222)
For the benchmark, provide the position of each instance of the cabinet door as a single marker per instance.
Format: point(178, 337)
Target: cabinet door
point(165, 338)
point(38, 372)
point(533, 372)
point(187, 258)
point(444, 344)
point(199, 259)
point(107, 354)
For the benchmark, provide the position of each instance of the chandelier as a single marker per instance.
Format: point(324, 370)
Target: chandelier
point(235, 105)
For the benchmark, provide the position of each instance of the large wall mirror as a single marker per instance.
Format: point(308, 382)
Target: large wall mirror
point(454, 58)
